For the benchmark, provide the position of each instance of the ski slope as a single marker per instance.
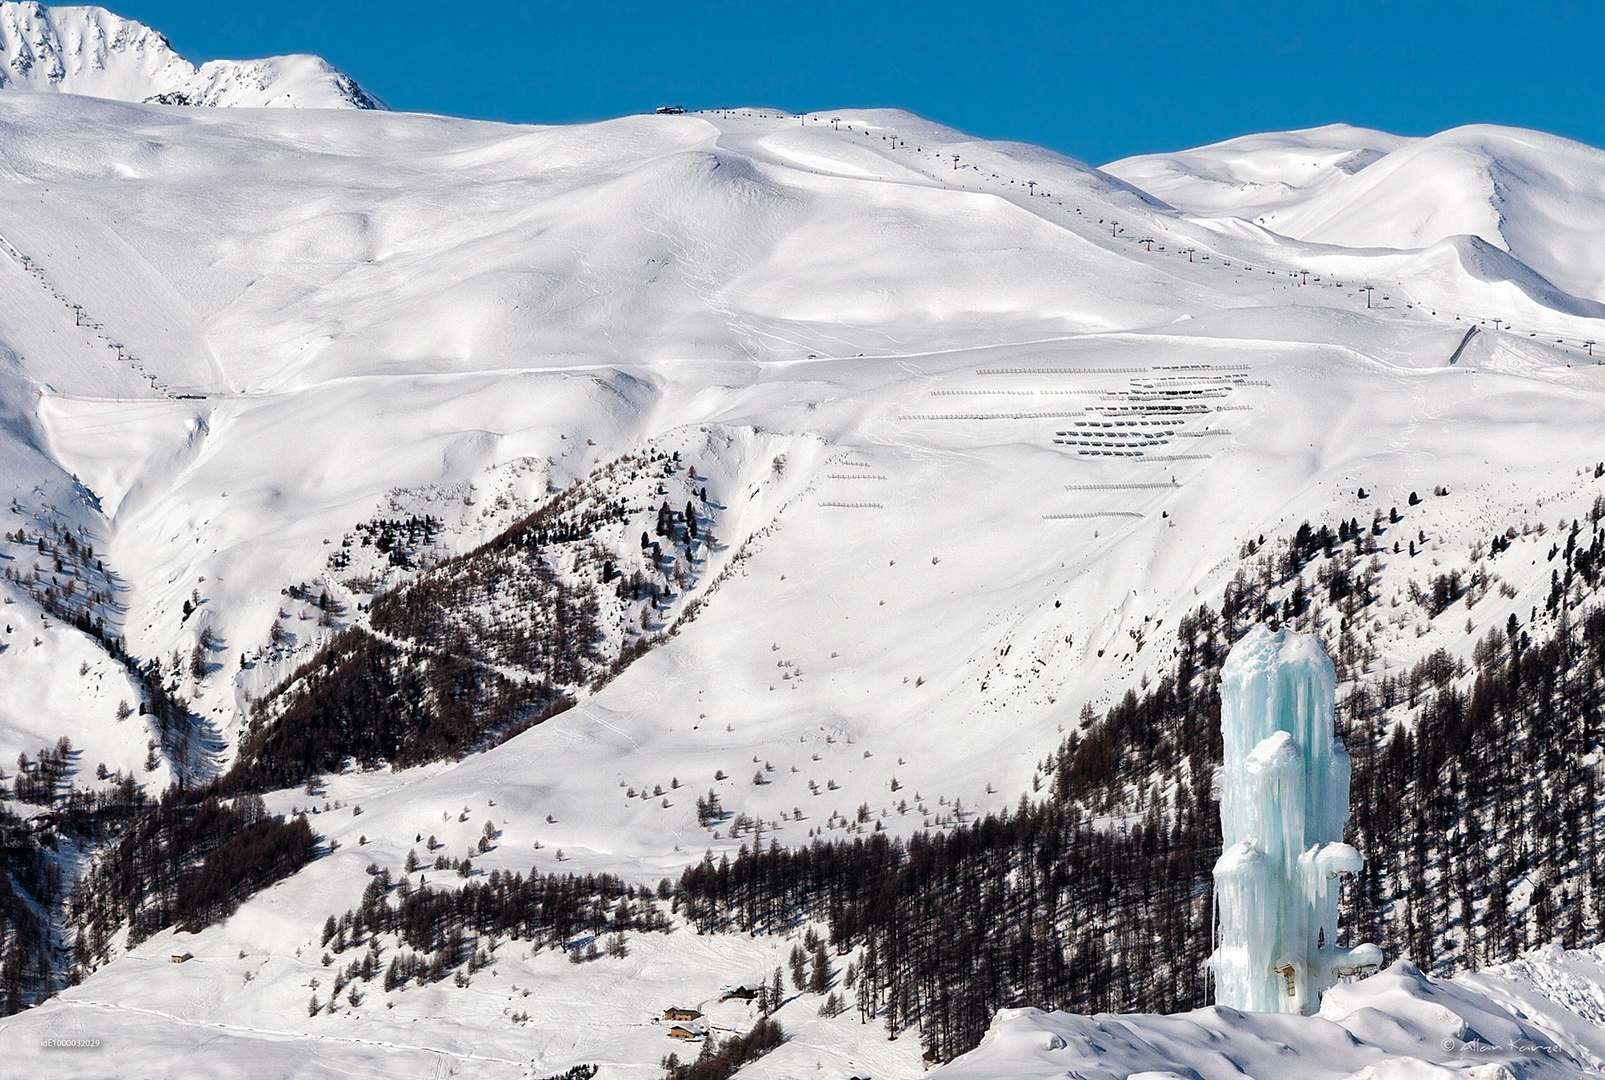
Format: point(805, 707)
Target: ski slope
point(986, 422)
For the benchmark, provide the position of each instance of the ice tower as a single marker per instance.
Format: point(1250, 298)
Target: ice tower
point(1284, 797)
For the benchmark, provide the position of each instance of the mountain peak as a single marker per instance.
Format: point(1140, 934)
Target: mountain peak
point(91, 51)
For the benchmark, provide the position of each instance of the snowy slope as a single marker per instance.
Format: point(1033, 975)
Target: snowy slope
point(422, 336)
point(1254, 175)
point(88, 50)
point(1538, 197)
point(926, 378)
point(1538, 1017)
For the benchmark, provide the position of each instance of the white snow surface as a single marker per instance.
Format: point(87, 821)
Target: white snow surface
point(917, 370)
point(1539, 1017)
point(89, 50)
point(1538, 197)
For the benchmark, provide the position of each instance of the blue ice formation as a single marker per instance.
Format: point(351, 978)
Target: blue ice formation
point(1284, 798)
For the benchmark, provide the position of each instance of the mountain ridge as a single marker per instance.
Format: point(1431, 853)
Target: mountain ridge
point(1530, 194)
point(91, 51)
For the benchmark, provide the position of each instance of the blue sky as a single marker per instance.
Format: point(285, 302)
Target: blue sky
point(1095, 81)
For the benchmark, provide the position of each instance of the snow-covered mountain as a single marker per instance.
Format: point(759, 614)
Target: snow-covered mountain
point(970, 428)
point(90, 51)
point(1538, 197)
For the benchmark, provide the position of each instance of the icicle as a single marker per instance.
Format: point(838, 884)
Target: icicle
point(1284, 795)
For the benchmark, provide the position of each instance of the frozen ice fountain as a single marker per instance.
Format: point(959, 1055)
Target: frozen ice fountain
point(1284, 797)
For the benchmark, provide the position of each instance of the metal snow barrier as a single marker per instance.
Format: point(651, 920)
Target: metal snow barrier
point(1111, 370)
point(983, 393)
point(992, 416)
point(1155, 408)
point(1111, 445)
point(1129, 420)
point(1092, 514)
point(1064, 371)
point(1121, 487)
